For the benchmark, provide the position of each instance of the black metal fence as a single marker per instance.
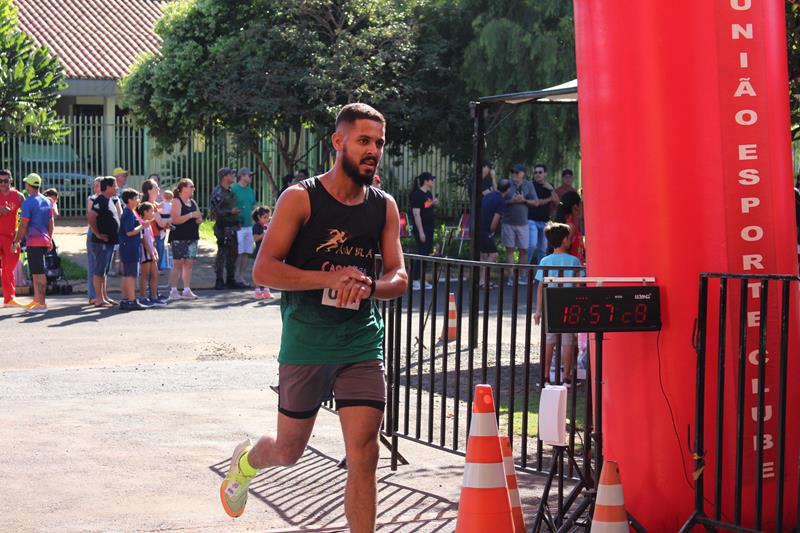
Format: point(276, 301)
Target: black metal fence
point(435, 356)
point(754, 457)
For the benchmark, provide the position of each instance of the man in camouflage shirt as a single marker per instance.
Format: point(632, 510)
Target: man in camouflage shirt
point(226, 217)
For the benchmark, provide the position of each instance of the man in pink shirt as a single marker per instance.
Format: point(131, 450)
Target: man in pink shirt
point(10, 203)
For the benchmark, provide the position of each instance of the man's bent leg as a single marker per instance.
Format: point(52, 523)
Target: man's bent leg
point(286, 447)
point(360, 427)
point(283, 450)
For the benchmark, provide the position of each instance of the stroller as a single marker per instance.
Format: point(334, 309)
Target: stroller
point(56, 280)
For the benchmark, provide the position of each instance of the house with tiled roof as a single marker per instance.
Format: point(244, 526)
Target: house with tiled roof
point(97, 42)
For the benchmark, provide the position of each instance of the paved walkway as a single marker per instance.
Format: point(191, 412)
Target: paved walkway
point(135, 432)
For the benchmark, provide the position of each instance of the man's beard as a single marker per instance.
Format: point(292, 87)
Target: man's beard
point(351, 169)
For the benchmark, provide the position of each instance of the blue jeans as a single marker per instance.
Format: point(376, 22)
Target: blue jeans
point(90, 270)
point(103, 254)
point(536, 241)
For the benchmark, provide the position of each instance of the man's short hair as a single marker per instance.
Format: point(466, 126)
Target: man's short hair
point(503, 185)
point(425, 176)
point(129, 194)
point(107, 181)
point(225, 171)
point(567, 172)
point(356, 111)
point(5, 172)
point(556, 233)
point(540, 165)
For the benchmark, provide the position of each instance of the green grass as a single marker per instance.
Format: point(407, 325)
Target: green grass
point(207, 231)
point(72, 270)
point(533, 411)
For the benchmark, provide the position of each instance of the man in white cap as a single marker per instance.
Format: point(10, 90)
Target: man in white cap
point(36, 226)
point(245, 201)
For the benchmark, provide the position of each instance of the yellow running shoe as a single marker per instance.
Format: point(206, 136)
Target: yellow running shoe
point(233, 491)
point(13, 302)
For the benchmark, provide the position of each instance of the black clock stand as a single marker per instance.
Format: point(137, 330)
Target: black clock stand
point(567, 517)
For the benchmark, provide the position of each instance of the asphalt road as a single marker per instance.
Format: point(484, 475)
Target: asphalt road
point(116, 421)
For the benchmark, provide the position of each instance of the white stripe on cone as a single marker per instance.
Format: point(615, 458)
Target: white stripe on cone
point(508, 464)
point(609, 527)
point(514, 495)
point(484, 476)
point(483, 425)
point(610, 495)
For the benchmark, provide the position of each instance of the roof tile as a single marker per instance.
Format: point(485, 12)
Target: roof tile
point(92, 38)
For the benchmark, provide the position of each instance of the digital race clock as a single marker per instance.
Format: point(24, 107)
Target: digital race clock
point(585, 309)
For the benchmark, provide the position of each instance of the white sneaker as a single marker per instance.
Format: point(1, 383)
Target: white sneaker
point(428, 286)
point(173, 295)
point(187, 294)
point(415, 285)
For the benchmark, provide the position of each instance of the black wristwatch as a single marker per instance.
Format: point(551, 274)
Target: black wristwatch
point(373, 287)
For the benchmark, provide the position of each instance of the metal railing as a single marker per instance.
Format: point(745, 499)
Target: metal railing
point(490, 339)
point(752, 449)
point(94, 147)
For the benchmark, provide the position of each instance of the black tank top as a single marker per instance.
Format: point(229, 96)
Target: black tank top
point(337, 235)
point(190, 229)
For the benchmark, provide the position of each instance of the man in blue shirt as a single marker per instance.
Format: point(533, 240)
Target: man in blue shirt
point(36, 226)
point(492, 206)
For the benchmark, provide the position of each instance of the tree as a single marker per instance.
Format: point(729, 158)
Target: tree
point(30, 81)
point(793, 43)
point(272, 68)
point(473, 48)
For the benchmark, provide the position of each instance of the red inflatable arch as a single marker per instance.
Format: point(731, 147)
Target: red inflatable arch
point(687, 169)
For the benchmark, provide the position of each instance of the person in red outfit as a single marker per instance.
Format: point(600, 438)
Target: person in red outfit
point(10, 203)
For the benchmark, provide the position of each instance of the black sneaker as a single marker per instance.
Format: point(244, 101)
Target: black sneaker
point(236, 285)
point(144, 303)
point(219, 285)
point(135, 305)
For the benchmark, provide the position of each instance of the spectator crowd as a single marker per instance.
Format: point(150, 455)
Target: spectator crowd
point(140, 234)
point(136, 234)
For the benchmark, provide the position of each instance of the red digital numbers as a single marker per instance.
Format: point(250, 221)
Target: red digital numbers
point(640, 314)
point(574, 317)
point(594, 314)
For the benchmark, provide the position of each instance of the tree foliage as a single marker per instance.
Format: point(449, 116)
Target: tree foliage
point(793, 44)
point(271, 67)
point(30, 81)
point(474, 48)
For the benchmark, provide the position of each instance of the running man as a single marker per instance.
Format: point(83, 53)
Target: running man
point(320, 251)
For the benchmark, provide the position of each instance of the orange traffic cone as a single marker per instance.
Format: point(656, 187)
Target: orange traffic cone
point(484, 504)
point(511, 481)
point(449, 334)
point(609, 509)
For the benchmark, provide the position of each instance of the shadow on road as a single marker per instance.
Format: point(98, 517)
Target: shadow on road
point(311, 495)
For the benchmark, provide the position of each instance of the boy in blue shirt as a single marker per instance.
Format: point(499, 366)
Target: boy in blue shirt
point(130, 244)
point(558, 237)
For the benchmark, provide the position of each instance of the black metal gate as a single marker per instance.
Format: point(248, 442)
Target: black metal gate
point(746, 320)
point(431, 380)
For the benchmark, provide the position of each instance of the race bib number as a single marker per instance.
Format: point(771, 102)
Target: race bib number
point(329, 298)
